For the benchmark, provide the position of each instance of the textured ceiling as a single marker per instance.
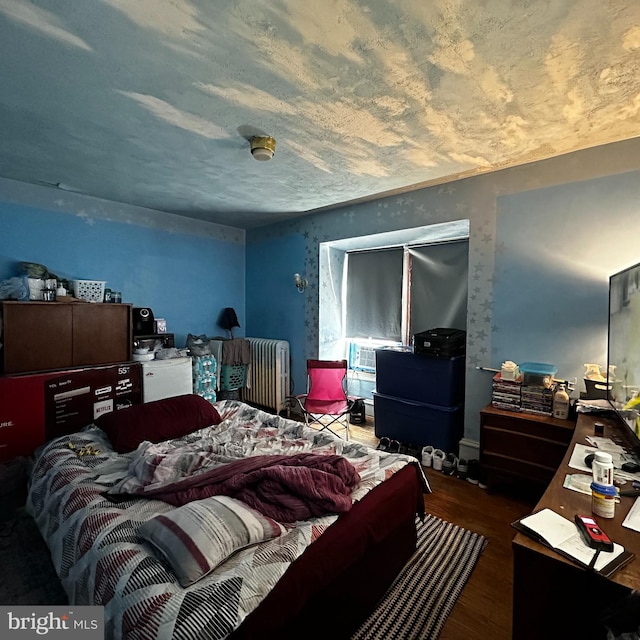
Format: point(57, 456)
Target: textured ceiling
point(153, 102)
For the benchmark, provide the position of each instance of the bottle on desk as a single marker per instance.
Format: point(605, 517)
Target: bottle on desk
point(603, 493)
point(602, 468)
point(561, 403)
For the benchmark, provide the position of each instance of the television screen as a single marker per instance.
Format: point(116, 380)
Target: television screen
point(623, 379)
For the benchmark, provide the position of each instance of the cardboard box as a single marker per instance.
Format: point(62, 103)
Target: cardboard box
point(22, 414)
point(75, 399)
point(37, 407)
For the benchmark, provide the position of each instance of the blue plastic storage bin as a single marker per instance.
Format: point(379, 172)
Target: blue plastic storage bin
point(412, 376)
point(417, 422)
point(538, 374)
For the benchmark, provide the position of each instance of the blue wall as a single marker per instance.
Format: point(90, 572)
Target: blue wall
point(186, 278)
point(558, 228)
point(558, 247)
point(275, 309)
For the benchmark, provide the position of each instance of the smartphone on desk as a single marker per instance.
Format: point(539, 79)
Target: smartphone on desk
point(592, 534)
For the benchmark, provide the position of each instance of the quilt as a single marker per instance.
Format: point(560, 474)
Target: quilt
point(102, 558)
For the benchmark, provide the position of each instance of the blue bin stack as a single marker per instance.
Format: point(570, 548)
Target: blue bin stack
point(419, 399)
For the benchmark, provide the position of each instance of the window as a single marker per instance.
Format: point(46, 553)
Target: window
point(334, 339)
point(374, 294)
point(396, 292)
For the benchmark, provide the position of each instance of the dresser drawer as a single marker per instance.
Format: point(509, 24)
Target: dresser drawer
point(523, 446)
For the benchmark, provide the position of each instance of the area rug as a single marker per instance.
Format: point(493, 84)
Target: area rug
point(417, 604)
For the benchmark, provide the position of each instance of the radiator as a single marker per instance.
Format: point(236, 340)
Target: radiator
point(268, 374)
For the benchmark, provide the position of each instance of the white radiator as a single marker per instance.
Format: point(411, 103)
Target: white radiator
point(268, 374)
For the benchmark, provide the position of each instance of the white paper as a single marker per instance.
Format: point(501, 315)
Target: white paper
point(551, 526)
point(579, 453)
point(605, 444)
point(632, 521)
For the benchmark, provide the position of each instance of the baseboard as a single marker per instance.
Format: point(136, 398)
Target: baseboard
point(469, 449)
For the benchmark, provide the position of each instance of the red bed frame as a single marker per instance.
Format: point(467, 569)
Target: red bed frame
point(335, 585)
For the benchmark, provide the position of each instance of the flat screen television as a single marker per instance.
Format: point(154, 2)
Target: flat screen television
point(623, 353)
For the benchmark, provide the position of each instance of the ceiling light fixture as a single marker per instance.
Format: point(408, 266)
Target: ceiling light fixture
point(263, 147)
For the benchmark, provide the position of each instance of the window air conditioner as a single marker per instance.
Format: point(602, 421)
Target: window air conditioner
point(362, 358)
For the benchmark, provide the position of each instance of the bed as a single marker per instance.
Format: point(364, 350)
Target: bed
point(190, 520)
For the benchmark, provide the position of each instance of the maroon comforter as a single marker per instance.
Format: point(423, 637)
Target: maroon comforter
point(284, 487)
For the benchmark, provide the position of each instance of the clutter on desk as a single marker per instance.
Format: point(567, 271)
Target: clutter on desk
point(562, 535)
point(35, 282)
point(610, 472)
point(530, 387)
point(601, 406)
point(595, 382)
point(580, 482)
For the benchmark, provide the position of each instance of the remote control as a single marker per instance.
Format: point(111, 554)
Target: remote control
point(592, 534)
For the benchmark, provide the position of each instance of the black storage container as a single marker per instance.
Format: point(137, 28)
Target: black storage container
point(440, 342)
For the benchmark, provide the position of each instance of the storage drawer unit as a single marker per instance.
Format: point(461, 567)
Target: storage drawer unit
point(522, 445)
point(404, 374)
point(420, 423)
point(41, 336)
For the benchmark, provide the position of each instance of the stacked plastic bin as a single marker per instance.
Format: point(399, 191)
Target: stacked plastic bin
point(419, 399)
point(204, 376)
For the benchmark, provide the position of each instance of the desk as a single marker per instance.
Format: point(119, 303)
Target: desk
point(552, 597)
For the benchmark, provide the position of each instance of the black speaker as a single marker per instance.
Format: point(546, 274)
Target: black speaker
point(358, 413)
point(143, 323)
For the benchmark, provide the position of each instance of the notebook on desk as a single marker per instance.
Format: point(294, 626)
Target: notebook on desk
point(561, 534)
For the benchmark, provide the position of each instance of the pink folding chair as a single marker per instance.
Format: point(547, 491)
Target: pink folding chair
point(326, 402)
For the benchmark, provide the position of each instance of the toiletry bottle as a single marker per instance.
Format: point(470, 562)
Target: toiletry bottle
point(561, 403)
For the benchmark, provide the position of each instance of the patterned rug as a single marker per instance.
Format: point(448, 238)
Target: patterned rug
point(417, 604)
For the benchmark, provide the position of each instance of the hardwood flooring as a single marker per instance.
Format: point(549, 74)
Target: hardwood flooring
point(484, 609)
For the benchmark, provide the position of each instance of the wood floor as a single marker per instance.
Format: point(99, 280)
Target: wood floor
point(483, 610)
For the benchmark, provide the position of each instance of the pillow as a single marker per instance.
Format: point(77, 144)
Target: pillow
point(157, 421)
point(197, 537)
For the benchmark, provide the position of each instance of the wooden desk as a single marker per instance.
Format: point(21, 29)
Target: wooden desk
point(552, 597)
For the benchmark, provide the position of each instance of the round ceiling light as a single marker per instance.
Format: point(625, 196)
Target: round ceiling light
point(263, 147)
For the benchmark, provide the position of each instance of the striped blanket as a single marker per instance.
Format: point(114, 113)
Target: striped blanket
point(102, 560)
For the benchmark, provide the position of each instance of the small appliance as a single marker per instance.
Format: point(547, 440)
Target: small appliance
point(143, 321)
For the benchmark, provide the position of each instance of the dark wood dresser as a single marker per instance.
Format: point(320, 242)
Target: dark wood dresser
point(520, 446)
point(40, 336)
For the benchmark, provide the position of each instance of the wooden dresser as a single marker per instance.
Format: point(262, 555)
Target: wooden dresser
point(522, 446)
point(40, 336)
